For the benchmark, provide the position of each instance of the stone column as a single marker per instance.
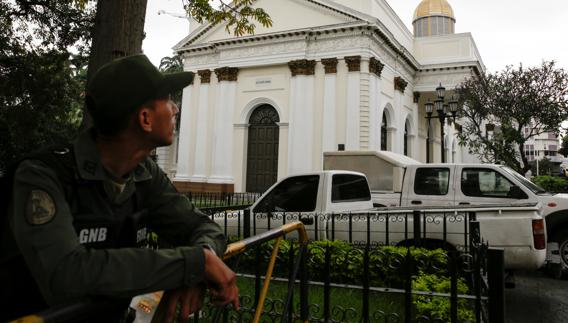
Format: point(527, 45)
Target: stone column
point(399, 86)
point(353, 102)
point(200, 169)
point(182, 172)
point(329, 105)
point(301, 116)
point(222, 149)
point(375, 70)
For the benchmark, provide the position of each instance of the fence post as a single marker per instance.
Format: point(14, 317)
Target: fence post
point(408, 287)
point(246, 223)
point(416, 224)
point(304, 305)
point(454, 286)
point(292, 279)
point(496, 282)
point(366, 285)
point(327, 284)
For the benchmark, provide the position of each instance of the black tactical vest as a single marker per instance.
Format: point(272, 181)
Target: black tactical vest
point(98, 223)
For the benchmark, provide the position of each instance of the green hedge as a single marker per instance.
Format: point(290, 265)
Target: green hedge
point(429, 270)
point(554, 184)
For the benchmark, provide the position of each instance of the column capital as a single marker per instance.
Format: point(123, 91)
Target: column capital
point(330, 65)
point(302, 67)
point(353, 63)
point(205, 76)
point(416, 97)
point(375, 66)
point(227, 73)
point(400, 84)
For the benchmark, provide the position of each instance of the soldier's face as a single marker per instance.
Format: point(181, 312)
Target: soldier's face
point(165, 112)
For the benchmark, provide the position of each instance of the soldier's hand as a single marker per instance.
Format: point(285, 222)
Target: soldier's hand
point(221, 280)
point(189, 298)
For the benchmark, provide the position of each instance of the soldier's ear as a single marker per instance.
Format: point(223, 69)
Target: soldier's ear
point(145, 119)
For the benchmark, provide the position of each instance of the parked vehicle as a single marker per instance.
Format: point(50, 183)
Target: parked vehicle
point(398, 180)
point(341, 205)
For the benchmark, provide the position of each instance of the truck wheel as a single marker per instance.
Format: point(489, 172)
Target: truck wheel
point(562, 239)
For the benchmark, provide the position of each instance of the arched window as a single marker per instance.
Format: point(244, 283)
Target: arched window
point(384, 126)
point(406, 138)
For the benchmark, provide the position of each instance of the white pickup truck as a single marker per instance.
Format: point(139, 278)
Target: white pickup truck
point(399, 181)
point(340, 201)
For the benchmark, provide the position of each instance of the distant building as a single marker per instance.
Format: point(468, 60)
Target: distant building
point(545, 145)
point(328, 75)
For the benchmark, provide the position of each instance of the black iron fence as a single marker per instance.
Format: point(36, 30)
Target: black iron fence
point(222, 199)
point(372, 281)
point(366, 267)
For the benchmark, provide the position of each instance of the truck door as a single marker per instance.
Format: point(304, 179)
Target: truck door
point(430, 186)
point(479, 185)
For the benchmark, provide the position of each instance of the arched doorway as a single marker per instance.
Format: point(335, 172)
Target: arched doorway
point(262, 151)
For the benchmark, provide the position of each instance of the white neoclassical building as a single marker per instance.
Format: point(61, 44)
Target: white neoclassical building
point(328, 75)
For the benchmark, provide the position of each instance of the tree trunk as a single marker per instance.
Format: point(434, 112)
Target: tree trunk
point(118, 32)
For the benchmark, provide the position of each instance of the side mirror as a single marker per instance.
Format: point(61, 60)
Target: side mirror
point(517, 193)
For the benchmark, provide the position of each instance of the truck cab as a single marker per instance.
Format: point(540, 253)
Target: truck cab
point(317, 192)
point(464, 184)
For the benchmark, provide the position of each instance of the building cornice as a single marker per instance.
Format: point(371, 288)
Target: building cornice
point(311, 35)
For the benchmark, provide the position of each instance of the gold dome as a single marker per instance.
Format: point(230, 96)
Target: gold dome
point(428, 8)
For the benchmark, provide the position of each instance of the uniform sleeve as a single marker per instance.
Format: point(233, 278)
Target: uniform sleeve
point(64, 269)
point(175, 218)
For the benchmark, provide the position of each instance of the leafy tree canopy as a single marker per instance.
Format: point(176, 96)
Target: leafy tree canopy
point(239, 14)
point(44, 53)
point(40, 80)
point(517, 104)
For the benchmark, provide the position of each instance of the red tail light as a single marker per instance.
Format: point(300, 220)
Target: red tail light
point(539, 235)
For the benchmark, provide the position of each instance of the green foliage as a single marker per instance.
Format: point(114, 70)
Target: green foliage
point(429, 271)
point(437, 307)
point(533, 98)
point(554, 184)
point(545, 167)
point(385, 263)
point(40, 81)
point(564, 146)
point(239, 15)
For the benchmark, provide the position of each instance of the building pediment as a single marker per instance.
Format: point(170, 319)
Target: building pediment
point(286, 15)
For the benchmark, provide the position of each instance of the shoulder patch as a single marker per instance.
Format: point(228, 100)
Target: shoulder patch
point(40, 208)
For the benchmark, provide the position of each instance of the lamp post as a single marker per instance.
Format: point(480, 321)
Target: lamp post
point(444, 110)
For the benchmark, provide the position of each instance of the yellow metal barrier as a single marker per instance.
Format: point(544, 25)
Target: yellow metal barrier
point(82, 309)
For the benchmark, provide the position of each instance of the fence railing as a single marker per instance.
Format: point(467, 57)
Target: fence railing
point(222, 199)
point(469, 262)
point(367, 282)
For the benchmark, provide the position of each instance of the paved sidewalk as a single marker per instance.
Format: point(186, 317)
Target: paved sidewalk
point(537, 299)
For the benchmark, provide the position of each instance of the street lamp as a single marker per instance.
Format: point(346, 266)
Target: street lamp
point(444, 110)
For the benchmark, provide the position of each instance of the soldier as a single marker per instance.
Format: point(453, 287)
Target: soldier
point(79, 214)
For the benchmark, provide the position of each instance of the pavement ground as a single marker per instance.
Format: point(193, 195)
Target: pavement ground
point(537, 298)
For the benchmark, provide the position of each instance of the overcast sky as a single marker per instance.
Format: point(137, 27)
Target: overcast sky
point(507, 32)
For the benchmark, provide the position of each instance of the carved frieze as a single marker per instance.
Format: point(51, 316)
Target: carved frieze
point(400, 84)
point(353, 63)
point(205, 76)
point(227, 74)
point(302, 67)
point(375, 66)
point(329, 65)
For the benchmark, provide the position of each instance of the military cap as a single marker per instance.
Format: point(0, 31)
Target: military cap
point(126, 83)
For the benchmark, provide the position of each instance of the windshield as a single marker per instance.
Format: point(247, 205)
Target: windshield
point(528, 184)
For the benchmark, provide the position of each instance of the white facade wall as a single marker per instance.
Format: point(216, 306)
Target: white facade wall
point(318, 111)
